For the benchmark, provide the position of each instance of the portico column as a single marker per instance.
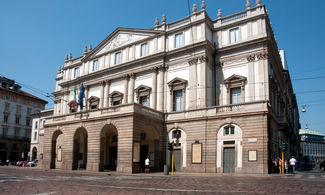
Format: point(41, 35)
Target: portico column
point(102, 95)
point(161, 88)
point(126, 86)
point(154, 88)
point(131, 76)
point(106, 93)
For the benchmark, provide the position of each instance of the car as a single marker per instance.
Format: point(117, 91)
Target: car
point(32, 163)
point(21, 163)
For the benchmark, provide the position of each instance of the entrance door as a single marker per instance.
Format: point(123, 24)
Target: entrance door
point(113, 158)
point(177, 160)
point(229, 160)
point(144, 152)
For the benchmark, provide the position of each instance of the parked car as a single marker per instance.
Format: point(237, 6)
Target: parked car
point(21, 163)
point(32, 163)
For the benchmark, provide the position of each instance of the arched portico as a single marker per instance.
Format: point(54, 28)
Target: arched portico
point(108, 148)
point(229, 148)
point(149, 146)
point(57, 135)
point(80, 149)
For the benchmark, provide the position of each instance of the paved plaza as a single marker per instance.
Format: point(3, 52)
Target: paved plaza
point(26, 180)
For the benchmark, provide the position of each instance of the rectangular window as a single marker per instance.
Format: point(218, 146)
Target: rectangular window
point(178, 40)
point(234, 35)
point(5, 118)
point(95, 65)
point(144, 49)
point(36, 124)
point(18, 109)
point(117, 59)
point(27, 121)
point(143, 100)
point(35, 136)
point(17, 131)
point(76, 73)
point(17, 120)
point(178, 100)
point(235, 96)
point(7, 107)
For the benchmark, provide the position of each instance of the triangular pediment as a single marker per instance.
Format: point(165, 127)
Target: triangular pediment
point(177, 81)
point(235, 78)
point(142, 88)
point(116, 94)
point(93, 99)
point(119, 38)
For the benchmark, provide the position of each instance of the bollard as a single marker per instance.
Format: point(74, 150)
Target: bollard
point(166, 171)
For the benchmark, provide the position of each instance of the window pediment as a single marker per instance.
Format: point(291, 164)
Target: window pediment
point(115, 94)
point(235, 79)
point(143, 90)
point(93, 100)
point(177, 84)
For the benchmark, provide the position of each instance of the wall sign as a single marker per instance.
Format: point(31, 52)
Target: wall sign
point(136, 152)
point(252, 155)
point(197, 153)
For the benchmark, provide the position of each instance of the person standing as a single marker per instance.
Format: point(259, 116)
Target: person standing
point(286, 166)
point(147, 165)
point(292, 163)
point(280, 165)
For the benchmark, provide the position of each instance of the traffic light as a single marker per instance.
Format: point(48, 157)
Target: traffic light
point(170, 146)
point(284, 146)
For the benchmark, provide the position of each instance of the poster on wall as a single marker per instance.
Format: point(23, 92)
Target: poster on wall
point(252, 156)
point(136, 152)
point(197, 153)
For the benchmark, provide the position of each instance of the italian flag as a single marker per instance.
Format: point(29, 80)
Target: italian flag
point(74, 98)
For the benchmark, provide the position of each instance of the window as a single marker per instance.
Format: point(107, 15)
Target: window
point(76, 72)
point(143, 136)
point(144, 49)
point(18, 109)
point(35, 136)
point(177, 134)
point(17, 131)
point(5, 131)
point(17, 120)
point(27, 121)
point(234, 35)
point(114, 138)
point(29, 111)
point(5, 118)
point(235, 96)
point(93, 102)
point(117, 59)
point(143, 100)
point(7, 107)
point(36, 124)
point(229, 130)
point(116, 98)
point(177, 100)
point(178, 40)
point(95, 65)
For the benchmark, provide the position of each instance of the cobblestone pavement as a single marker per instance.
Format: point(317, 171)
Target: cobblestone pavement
point(27, 180)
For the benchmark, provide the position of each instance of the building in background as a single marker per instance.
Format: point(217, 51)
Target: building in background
point(312, 143)
point(38, 121)
point(16, 109)
point(217, 88)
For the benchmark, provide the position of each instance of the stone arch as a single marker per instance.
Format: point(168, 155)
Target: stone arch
point(229, 140)
point(182, 142)
point(149, 139)
point(108, 148)
point(34, 153)
point(55, 137)
point(80, 149)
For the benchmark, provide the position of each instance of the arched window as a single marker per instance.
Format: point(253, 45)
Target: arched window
point(177, 134)
point(229, 130)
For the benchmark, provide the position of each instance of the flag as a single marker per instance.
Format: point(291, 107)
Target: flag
point(81, 96)
point(74, 98)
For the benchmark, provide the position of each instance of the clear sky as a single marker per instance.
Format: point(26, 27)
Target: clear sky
point(36, 35)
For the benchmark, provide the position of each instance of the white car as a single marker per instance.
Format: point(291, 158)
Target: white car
point(32, 163)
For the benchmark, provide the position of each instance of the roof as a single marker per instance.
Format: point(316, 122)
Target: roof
point(24, 94)
point(309, 132)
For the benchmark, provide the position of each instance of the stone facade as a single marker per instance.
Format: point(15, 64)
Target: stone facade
point(217, 88)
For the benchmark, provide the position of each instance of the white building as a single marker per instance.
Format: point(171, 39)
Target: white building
point(37, 130)
point(216, 86)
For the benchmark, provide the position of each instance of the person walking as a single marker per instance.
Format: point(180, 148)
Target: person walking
point(292, 163)
point(147, 165)
point(280, 165)
point(286, 166)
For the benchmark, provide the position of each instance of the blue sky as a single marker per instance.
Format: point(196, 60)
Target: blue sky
point(36, 35)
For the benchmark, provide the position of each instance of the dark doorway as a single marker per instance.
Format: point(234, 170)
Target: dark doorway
point(112, 158)
point(144, 152)
point(177, 160)
point(34, 153)
point(229, 160)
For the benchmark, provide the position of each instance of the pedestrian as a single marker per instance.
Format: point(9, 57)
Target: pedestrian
point(7, 162)
point(275, 165)
point(292, 163)
point(147, 165)
point(286, 165)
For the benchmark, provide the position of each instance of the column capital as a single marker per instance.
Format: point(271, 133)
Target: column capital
point(131, 75)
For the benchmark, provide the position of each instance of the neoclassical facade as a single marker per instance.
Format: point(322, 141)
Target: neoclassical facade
point(216, 87)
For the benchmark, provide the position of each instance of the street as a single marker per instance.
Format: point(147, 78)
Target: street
point(26, 180)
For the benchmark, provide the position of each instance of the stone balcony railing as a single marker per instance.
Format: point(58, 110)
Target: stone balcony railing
point(231, 109)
